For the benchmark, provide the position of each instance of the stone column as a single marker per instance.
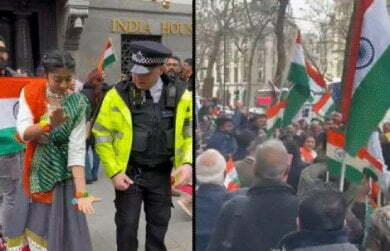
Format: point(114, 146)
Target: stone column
point(23, 47)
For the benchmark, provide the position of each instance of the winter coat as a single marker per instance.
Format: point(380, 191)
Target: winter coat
point(223, 142)
point(208, 203)
point(306, 240)
point(256, 221)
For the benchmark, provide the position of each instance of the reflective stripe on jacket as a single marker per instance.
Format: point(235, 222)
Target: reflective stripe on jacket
point(114, 135)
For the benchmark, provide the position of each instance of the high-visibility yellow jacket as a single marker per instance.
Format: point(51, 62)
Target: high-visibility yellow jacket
point(113, 132)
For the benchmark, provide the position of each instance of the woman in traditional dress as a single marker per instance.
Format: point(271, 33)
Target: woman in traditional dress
point(308, 154)
point(50, 207)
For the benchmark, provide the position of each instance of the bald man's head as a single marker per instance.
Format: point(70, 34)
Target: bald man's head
point(272, 160)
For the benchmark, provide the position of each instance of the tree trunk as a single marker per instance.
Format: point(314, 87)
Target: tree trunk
point(209, 80)
point(279, 32)
point(199, 70)
point(249, 96)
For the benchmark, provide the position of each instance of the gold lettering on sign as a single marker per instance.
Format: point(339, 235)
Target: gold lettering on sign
point(113, 25)
point(139, 26)
point(121, 26)
point(175, 28)
point(189, 29)
point(147, 28)
point(134, 26)
point(165, 28)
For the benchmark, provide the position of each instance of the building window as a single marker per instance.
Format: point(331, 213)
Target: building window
point(260, 59)
point(260, 75)
point(235, 75)
point(205, 3)
point(227, 74)
point(236, 57)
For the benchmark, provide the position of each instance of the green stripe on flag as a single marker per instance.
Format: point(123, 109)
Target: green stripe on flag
point(298, 76)
point(8, 143)
point(331, 109)
point(299, 93)
point(370, 173)
point(109, 60)
point(369, 105)
point(351, 174)
point(296, 98)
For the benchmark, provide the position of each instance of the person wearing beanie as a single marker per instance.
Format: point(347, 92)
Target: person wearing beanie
point(210, 194)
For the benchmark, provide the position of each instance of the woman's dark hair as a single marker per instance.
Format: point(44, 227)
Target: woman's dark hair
point(306, 136)
point(95, 77)
point(58, 59)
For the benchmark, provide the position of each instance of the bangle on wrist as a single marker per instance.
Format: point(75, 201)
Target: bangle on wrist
point(79, 195)
point(45, 126)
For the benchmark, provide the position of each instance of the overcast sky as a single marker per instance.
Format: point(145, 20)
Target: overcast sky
point(300, 8)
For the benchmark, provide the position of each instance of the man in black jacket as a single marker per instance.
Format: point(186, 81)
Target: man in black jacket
point(268, 211)
point(321, 221)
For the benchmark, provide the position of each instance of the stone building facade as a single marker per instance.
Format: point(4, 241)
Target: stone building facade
point(33, 27)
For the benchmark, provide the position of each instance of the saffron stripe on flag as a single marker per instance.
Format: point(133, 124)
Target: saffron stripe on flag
point(317, 107)
point(274, 110)
point(315, 75)
point(12, 86)
point(353, 54)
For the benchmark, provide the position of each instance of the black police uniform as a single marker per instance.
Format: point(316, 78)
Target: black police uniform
point(150, 164)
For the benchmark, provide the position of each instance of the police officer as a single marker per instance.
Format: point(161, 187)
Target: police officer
point(143, 129)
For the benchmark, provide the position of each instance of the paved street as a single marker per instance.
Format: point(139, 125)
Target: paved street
point(102, 227)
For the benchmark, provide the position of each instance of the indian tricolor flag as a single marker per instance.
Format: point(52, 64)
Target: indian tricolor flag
point(316, 81)
point(300, 92)
point(325, 105)
point(9, 96)
point(232, 182)
point(356, 167)
point(107, 56)
point(275, 115)
point(366, 89)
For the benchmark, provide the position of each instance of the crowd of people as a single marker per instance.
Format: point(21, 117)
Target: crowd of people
point(287, 198)
point(64, 130)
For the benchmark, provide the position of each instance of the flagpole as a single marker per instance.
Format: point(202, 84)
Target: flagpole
point(100, 60)
point(343, 169)
point(327, 177)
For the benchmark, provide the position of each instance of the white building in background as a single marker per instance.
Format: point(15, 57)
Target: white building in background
point(264, 67)
point(236, 80)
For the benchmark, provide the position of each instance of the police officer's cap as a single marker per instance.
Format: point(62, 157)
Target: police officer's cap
point(146, 55)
